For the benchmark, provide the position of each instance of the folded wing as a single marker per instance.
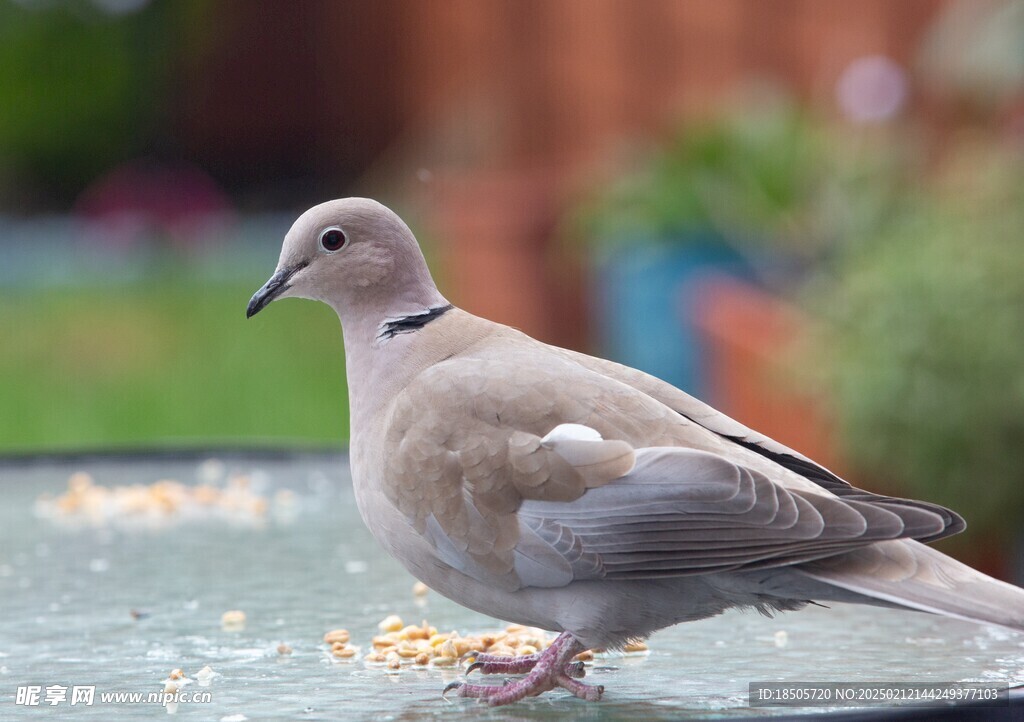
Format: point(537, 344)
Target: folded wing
point(682, 511)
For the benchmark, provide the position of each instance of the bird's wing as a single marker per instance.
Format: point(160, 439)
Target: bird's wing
point(681, 511)
point(748, 444)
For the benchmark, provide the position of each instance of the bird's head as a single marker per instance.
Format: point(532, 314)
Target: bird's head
point(352, 253)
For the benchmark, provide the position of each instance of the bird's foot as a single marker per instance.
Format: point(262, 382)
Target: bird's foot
point(490, 664)
point(547, 670)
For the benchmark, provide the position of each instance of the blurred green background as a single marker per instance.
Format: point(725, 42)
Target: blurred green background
point(168, 361)
point(807, 213)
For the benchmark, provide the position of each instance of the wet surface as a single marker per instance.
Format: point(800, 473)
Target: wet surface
point(69, 591)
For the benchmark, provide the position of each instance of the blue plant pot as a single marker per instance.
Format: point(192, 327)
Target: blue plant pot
point(646, 296)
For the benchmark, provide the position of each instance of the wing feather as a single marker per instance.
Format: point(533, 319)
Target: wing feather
point(682, 511)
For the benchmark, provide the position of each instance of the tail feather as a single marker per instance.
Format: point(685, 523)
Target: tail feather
point(913, 575)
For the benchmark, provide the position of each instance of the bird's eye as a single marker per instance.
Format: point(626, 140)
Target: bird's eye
point(333, 239)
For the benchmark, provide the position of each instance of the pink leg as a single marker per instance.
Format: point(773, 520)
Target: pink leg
point(489, 664)
point(551, 669)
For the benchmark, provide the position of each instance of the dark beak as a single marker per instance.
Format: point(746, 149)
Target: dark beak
point(271, 290)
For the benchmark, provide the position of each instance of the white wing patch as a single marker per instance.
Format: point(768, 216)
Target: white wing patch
point(584, 449)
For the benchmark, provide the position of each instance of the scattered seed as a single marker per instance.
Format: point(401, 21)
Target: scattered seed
point(344, 651)
point(422, 645)
point(79, 481)
point(414, 632)
point(160, 501)
point(232, 619)
point(462, 647)
point(336, 635)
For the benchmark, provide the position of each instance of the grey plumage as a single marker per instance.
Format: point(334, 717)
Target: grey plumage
point(559, 490)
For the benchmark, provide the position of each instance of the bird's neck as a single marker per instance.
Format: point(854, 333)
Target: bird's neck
point(380, 344)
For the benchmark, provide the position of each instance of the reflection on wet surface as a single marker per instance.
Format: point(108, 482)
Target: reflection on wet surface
point(120, 600)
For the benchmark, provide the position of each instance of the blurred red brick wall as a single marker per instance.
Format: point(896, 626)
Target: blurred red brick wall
point(513, 105)
point(559, 85)
point(569, 76)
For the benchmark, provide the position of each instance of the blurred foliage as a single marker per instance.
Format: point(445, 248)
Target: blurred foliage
point(167, 361)
point(765, 176)
point(926, 346)
point(78, 88)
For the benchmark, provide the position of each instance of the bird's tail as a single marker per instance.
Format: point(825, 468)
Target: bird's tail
point(913, 575)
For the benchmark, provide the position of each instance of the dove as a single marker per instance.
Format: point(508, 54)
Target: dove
point(558, 490)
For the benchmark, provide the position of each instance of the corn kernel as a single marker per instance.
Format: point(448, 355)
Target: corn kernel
point(79, 481)
point(233, 619)
point(414, 632)
point(337, 635)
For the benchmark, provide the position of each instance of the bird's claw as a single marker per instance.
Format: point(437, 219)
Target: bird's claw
point(554, 668)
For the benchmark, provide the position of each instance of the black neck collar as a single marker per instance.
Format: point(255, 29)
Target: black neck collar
point(408, 324)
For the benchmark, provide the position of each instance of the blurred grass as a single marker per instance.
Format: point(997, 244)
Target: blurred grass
point(170, 362)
